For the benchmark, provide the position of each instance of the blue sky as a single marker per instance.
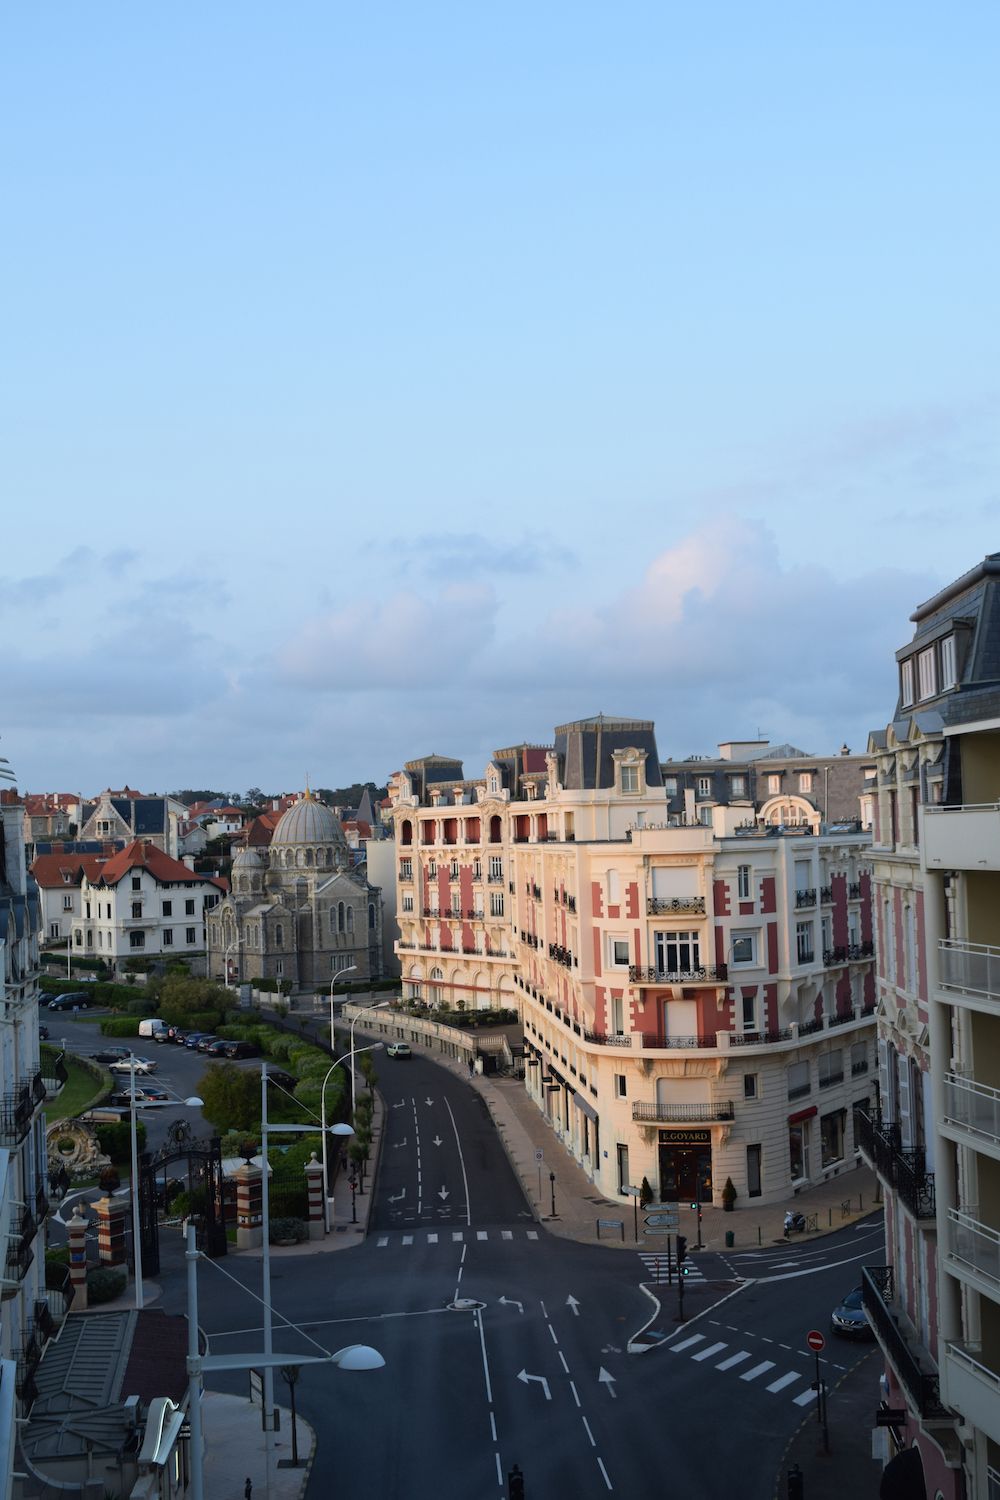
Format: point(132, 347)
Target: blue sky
point(383, 382)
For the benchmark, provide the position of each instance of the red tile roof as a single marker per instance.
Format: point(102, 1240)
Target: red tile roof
point(140, 855)
point(50, 870)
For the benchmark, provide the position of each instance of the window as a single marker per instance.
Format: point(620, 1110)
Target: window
point(496, 867)
point(744, 949)
point(617, 1016)
point(137, 882)
point(78, 938)
point(749, 1085)
point(704, 786)
point(454, 869)
point(189, 908)
point(190, 936)
point(168, 937)
point(623, 1175)
point(67, 903)
point(737, 786)
point(279, 936)
point(750, 1012)
point(88, 911)
point(432, 869)
point(54, 930)
point(906, 682)
point(798, 1150)
point(949, 672)
point(804, 942)
point(753, 1171)
point(619, 951)
point(831, 1068)
point(406, 869)
point(621, 1086)
point(670, 786)
point(705, 816)
point(136, 909)
point(496, 903)
point(137, 939)
point(477, 869)
point(676, 952)
point(805, 781)
point(927, 673)
point(743, 882)
point(407, 904)
point(630, 778)
point(168, 908)
point(773, 785)
point(797, 1078)
point(859, 1059)
point(831, 1137)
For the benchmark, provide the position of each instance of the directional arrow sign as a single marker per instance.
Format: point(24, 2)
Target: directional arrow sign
point(659, 1229)
point(523, 1375)
point(399, 1197)
point(428, 1101)
point(669, 1216)
point(396, 1144)
point(608, 1381)
point(509, 1302)
point(443, 1193)
point(573, 1305)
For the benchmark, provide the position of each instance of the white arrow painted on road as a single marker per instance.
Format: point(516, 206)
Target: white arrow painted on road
point(428, 1102)
point(611, 1349)
point(436, 1141)
point(399, 1197)
point(443, 1193)
point(572, 1303)
point(396, 1144)
point(400, 1105)
point(608, 1380)
point(523, 1375)
point(509, 1302)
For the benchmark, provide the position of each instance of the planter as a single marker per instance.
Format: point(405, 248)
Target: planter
point(727, 1205)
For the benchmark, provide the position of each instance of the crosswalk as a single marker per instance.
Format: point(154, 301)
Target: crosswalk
point(662, 1269)
point(454, 1237)
point(698, 1347)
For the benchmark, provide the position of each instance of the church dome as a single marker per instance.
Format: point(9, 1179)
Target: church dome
point(248, 858)
point(308, 822)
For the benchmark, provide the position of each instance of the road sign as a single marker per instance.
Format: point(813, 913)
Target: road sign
point(659, 1229)
point(632, 1192)
point(668, 1217)
point(539, 1154)
point(815, 1340)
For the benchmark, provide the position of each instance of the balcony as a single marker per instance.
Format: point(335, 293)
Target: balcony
point(962, 838)
point(16, 1110)
point(495, 877)
point(826, 895)
point(638, 974)
point(655, 1040)
point(55, 1077)
point(607, 1039)
point(971, 1110)
point(854, 890)
point(897, 1340)
point(974, 1246)
point(902, 1170)
point(851, 953)
point(19, 1252)
point(973, 1388)
point(665, 1113)
point(661, 906)
point(761, 1039)
point(807, 1028)
point(970, 975)
point(805, 897)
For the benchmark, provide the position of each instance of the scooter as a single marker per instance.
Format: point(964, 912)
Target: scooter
point(795, 1223)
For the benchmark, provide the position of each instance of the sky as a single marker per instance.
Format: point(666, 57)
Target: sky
point(379, 381)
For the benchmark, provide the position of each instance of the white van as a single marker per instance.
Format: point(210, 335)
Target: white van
point(152, 1028)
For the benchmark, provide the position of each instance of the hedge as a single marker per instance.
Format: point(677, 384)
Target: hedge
point(104, 1284)
point(120, 1026)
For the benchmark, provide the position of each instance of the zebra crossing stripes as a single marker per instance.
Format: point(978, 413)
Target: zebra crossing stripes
point(761, 1369)
point(458, 1237)
point(698, 1349)
point(662, 1267)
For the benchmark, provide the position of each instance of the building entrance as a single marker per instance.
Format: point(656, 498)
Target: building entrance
point(685, 1166)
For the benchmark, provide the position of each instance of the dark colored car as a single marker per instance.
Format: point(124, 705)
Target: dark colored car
point(176, 1035)
point(241, 1049)
point(849, 1319)
point(75, 1001)
point(194, 1037)
point(216, 1048)
point(205, 1042)
point(109, 1054)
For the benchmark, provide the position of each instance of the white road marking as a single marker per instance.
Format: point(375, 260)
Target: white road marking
point(707, 1353)
point(805, 1398)
point(481, 1234)
point(432, 1239)
point(761, 1369)
point(461, 1161)
point(696, 1338)
point(407, 1239)
point(783, 1380)
point(586, 1424)
point(506, 1234)
point(734, 1359)
point(607, 1481)
point(532, 1234)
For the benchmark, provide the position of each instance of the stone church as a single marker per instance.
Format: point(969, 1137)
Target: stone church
point(297, 909)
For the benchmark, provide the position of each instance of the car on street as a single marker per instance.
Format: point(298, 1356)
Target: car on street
point(849, 1318)
point(125, 1065)
point(76, 1000)
point(110, 1055)
point(194, 1037)
point(398, 1049)
point(216, 1048)
point(144, 1094)
point(205, 1042)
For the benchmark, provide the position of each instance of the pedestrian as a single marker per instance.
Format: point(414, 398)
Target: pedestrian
point(248, 1489)
point(472, 1067)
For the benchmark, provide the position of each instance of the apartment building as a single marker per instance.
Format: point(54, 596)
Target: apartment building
point(140, 902)
point(28, 1314)
point(934, 1135)
point(697, 994)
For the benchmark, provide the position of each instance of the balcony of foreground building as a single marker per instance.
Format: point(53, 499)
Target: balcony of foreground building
point(651, 1041)
point(969, 975)
point(665, 906)
point(848, 953)
point(643, 974)
point(973, 1251)
point(901, 1170)
point(54, 1074)
point(971, 1114)
point(963, 837)
point(708, 1113)
point(17, 1107)
point(20, 1253)
point(972, 1380)
point(899, 1343)
point(806, 896)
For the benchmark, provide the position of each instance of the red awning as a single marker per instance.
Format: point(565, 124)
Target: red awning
point(803, 1114)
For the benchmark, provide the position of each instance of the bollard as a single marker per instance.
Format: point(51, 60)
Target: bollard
point(795, 1489)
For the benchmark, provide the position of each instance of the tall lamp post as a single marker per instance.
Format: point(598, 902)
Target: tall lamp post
point(192, 1103)
point(333, 980)
point(343, 1130)
point(354, 1090)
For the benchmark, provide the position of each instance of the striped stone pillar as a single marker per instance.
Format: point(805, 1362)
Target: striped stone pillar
point(314, 1181)
point(77, 1231)
point(112, 1217)
point(249, 1207)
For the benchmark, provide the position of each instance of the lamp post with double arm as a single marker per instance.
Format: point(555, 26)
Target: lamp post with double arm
point(192, 1103)
point(343, 1130)
point(333, 980)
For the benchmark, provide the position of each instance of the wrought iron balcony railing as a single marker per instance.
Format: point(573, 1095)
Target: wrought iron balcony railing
point(643, 974)
point(651, 1113)
point(877, 1296)
point(805, 897)
point(660, 906)
point(903, 1170)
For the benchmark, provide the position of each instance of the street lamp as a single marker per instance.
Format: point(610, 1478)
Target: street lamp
point(343, 1130)
point(192, 1103)
point(354, 1090)
point(333, 980)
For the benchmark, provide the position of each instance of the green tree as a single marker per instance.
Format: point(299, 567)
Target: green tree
point(232, 1097)
point(177, 996)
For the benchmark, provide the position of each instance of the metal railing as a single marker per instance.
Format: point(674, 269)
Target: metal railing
point(806, 896)
point(849, 953)
point(903, 1170)
point(659, 906)
point(643, 974)
point(973, 1106)
point(877, 1296)
point(759, 1038)
point(607, 1039)
point(656, 1039)
point(667, 1112)
point(806, 1028)
point(970, 968)
point(16, 1109)
point(974, 1244)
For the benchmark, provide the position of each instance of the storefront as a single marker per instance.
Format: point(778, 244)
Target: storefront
point(685, 1165)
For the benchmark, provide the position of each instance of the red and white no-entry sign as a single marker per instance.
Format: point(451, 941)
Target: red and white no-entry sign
point(815, 1340)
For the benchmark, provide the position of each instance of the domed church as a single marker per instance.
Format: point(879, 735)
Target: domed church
point(297, 909)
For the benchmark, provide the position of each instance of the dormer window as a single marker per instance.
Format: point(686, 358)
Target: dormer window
point(927, 673)
point(949, 666)
point(630, 779)
point(494, 785)
point(906, 682)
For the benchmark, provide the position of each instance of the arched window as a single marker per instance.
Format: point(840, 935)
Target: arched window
point(279, 936)
point(309, 856)
point(350, 919)
point(340, 916)
point(371, 916)
point(436, 994)
point(406, 832)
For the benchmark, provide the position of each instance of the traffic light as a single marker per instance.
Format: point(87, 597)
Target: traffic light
point(682, 1250)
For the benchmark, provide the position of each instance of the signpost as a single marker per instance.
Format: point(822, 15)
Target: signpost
point(817, 1343)
point(635, 1193)
point(539, 1158)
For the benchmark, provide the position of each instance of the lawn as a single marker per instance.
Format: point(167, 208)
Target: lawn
point(81, 1090)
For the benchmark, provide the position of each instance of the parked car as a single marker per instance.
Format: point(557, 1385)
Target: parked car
point(125, 1065)
point(76, 1000)
point(398, 1049)
point(177, 1035)
point(144, 1094)
point(849, 1318)
point(203, 1043)
point(193, 1038)
point(241, 1049)
point(152, 1026)
point(217, 1048)
point(110, 1055)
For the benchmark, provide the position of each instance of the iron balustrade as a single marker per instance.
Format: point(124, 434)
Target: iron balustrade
point(495, 877)
point(826, 895)
point(857, 1068)
point(658, 906)
point(854, 890)
point(57, 1077)
point(759, 1038)
point(642, 974)
point(878, 1298)
point(16, 1109)
point(654, 1040)
point(806, 897)
point(606, 1039)
point(571, 903)
point(676, 1112)
point(830, 1079)
point(843, 1020)
point(903, 1170)
point(806, 1028)
point(848, 953)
